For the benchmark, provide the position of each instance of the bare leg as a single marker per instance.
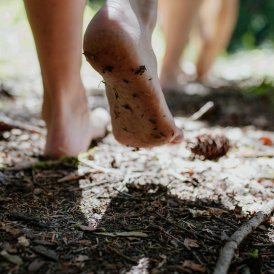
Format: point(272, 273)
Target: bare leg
point(117, 44)
point(177, 18)
point(218, 22)
point(57, 29)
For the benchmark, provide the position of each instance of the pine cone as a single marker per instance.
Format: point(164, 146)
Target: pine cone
point(209, 146)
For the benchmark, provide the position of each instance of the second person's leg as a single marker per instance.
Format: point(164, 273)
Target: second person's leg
point(177, 18)
point(218, 19)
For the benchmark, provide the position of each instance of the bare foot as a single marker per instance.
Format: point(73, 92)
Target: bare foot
point(70, 125)
point(117, 44)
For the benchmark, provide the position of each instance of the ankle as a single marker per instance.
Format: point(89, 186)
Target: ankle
point(146, 11)
point(65, 98)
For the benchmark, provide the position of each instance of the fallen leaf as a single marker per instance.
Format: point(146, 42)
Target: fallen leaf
point(35, 265)
point(199, 213)
point(210, 212)
point(82, 258)
point(23, 241)
point(37, 191)
point(123, 234)
point(13, 231)
point(213, 211)
point(71, 177)
point(4, 199)
point(193, 266)
point(191, 243)
point(48, 253)
point(174, 243)
point(238, 210)
point(266, 141)
point(11, 258)
point(86, 228)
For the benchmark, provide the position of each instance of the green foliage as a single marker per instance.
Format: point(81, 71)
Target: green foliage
point(265, 88)
point(255, 24)
point(254, 254)
point(70, 162)
point(95, 4)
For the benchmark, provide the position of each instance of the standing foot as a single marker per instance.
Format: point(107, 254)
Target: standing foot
point(70, 125)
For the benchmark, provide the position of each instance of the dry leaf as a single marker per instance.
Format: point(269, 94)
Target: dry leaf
point(11, 258)
point(123, 234)
point(213, 211)
point(199, 213)
point(191, 243)
point(23, 241)
point(82, 258)
point(13, 231)
point(48, 253)
point(35, 265)
point(266, 141)
point(193, 266)
point(86, 228)
point(210, 212)
point(71, 177)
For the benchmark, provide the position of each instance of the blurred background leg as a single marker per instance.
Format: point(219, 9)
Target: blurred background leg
point(217, 21)
point(177, 17)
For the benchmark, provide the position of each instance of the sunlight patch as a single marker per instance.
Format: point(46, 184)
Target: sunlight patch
point(141, 267)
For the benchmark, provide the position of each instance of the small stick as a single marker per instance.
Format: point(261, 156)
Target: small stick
point(227, 253)
point(7, 123)
point(202, 111)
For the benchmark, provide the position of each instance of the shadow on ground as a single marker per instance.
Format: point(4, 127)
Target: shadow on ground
point(73, 227)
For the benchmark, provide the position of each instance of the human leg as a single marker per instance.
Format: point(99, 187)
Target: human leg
point(218, 22)
point(177, 18)
point(57, 29)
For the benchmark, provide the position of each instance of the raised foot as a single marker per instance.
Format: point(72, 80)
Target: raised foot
point(119, 49)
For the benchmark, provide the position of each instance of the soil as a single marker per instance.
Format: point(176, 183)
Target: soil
point(122, 210)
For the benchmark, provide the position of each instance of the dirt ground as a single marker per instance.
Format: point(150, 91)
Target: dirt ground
point(122, 210)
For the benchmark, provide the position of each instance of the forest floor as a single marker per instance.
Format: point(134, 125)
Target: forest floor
point(122, 210)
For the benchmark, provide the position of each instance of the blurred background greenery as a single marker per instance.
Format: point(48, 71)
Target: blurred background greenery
point(255, 25)
point(250, 53)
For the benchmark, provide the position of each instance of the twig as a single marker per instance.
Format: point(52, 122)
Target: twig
point(8, 124)
point(99, 168)
point(227, 253)
point(202, 111)
point(28, 219)
point(122, 255)
point(189, 231)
